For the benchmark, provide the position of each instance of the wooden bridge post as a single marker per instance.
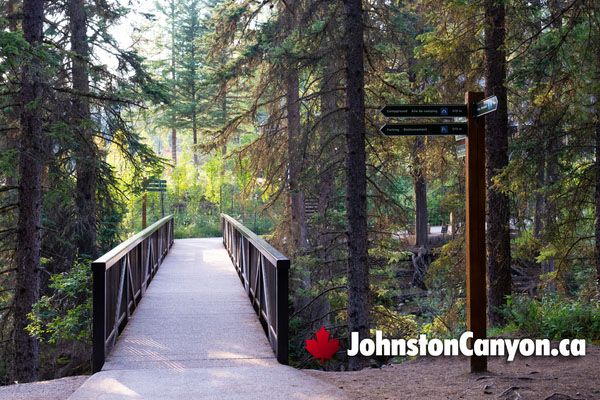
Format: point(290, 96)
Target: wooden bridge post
point(99, 316)
point(282, 267)
point(475, 228)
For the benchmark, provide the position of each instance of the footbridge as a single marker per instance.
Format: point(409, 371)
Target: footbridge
point(194, 319)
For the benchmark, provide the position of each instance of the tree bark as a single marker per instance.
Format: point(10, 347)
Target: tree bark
point(295, 158)
point(30, 190)
point(597, 192)
point(597, 201)
point(295, 192)
point(539, 200)
point(173, 129)
point(85, 154)
point(553, 147)
point(174, 143)
point(195, 108)
point(496, 131)
point(420, 188)
point(327, 139)
point(356, 178)
point(331, 120)
point(194, 125)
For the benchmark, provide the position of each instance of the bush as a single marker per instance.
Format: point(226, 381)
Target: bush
point(200, 227)
point(67, 314)
point(554, 317)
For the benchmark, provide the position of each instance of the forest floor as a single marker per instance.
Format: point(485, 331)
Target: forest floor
point(56, 389)
point(551, 378)
point(543, 378)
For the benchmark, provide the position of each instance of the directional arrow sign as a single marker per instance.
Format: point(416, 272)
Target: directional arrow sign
point(424, 129)
point(424, 111)
point(485, 106)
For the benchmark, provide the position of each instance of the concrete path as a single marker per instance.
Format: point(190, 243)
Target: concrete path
point(196, 336)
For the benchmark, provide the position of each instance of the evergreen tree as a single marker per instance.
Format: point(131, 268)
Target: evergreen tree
point(30, 192)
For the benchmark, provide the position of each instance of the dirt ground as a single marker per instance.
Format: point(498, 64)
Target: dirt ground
point(56, 389)
point(543, 378)
point(550, 378)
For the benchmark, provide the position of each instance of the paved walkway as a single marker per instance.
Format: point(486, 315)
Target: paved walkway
point(196, 336)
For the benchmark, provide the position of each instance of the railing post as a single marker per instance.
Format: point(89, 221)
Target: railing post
point(282, 270)
point(99, 314)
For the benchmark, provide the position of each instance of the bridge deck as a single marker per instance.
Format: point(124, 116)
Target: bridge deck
point(195, 336)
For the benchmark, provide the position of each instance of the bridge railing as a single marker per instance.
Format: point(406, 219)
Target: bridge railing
point(264, 273)
point(120, 279)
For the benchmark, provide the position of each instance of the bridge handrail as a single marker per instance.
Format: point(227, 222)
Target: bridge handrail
point(120, 279)
point(264, 274)
point(117, 253)
point(272, 254)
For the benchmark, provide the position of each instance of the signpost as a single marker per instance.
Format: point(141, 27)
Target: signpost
point(474, 129)
point(157, 186)
point(475, 229)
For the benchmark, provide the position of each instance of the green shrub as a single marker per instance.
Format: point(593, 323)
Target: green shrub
point(554, 317)
point(67, 314)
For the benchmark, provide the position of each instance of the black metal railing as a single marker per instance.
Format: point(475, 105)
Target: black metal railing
point(121, 278)
point(264, 274)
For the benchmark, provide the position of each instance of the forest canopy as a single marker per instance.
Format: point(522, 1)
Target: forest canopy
point(269, 112)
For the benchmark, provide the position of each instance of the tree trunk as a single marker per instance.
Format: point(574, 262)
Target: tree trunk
point(331, 120)
point(194, 126)
point(30, 203)
point(498, 228)
point(174, 144)
point(295, 158)
point(295, 193)
point(420, 187)
point(597, 193)
point(327, 139)
point(539, 201)
point(597, 200)
point(553, 147)
point(173, 119)
point(223, 121)
point(85, 155)
point(356, 178)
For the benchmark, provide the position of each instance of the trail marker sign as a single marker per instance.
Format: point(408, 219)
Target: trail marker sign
point(485, 106)
point(158, 186)
point(449, 128)
point(424, 110)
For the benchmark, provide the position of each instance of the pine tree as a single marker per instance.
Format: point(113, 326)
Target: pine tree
point(356, 190)
point(85, 151)
point(30, 191)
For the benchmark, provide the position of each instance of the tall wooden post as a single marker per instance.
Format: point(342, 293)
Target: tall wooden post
point(144, 212)
point(475, 233)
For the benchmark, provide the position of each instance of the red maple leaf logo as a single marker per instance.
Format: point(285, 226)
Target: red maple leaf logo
point(322, 347)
